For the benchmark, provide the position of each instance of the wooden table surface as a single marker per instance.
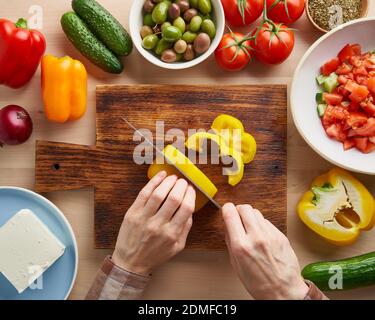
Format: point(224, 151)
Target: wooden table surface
point(192, 274)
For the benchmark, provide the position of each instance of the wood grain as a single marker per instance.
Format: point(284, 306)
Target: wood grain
point(109, 167)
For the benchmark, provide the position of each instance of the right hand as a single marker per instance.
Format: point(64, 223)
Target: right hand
point(156, 226)
point(261, 255)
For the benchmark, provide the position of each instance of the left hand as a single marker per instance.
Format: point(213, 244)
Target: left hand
point(156, 226)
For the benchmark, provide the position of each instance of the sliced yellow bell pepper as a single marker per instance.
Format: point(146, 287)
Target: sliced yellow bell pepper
point(233, 133)
point(64, 88)
point(178, 159)
point(235, 174)
point(337, 207)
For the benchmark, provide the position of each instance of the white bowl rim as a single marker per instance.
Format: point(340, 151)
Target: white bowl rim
point(182, 65)
point(292, 104)
point(67, 223)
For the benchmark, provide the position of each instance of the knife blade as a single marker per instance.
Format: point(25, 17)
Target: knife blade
point(212, 200)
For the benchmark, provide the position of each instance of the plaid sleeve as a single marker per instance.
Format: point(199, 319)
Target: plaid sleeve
point(314, 293)
point(114, 283)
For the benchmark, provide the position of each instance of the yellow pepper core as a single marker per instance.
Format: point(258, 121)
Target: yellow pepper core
point(178, 159)
point(337, 207)
point(64, 88)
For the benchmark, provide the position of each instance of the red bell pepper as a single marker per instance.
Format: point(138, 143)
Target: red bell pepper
point(21, 50)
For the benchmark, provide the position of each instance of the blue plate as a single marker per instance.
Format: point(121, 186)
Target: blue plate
point(58, 280)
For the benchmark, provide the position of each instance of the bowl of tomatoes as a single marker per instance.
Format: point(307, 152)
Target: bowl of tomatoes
point(333, 96)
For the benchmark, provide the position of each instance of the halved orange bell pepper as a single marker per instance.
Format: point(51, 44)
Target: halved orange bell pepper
point(64, 88)
point(337, 207)
point(178, 159)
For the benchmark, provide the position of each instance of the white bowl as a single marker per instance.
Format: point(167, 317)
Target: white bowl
point(304, 88)
point(136, 23)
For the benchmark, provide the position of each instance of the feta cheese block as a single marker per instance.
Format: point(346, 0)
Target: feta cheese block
point(27, 249)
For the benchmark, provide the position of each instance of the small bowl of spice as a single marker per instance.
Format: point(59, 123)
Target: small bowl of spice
point(326, 15)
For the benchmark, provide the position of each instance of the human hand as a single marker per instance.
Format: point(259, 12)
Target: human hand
point(261, 255)
point(156, 226)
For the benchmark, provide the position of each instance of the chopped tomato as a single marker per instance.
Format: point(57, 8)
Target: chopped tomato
point(330, 67)
point(335, 131)
point(369, 108)
point(371, 84)
point(348, 51)
point(349, 144)
point(368, 129)
point(332, 98)
point(361, 143)
point(350, 113)
point(343, 69)
point(356, 119)
point(359, 93)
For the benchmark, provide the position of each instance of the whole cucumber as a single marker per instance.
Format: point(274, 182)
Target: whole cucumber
point(104, 26)
point(356, 272)
point(86, 42)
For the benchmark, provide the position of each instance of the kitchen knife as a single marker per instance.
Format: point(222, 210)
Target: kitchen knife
point(217, 205)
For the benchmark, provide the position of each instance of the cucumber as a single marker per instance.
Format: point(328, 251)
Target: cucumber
point(330, 83)
point(321, 109)
point(320, 79)
point(86, 42)
point(356, 272)
point(319, 97)
point(104, 26)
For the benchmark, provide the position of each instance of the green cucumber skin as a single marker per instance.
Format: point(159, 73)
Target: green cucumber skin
point(86, 42)
point(105, 27)
point(357, 272)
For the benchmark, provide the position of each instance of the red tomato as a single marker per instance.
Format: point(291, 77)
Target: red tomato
point(232, 54)
point(360, 71)
point(356, 119)
point(368, 129)
point(285, 11)
point(359, 93)
point(330, 67)
point(369, 108)
point(371, 85)
point(349, 144)
point(349, 51)
point(335, 131)
point(361, 143)
point(274, 43)
point(332, 99)
point(239, 13)
point(344, 69)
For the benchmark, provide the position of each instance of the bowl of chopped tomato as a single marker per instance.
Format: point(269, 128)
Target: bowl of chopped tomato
point(333, 96)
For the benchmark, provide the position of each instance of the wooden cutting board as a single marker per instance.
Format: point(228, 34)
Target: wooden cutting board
point(108, 167)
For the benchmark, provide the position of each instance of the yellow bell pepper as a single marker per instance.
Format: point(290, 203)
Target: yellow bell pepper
point(195, 142)
point(64, 88)
point(337, 207)
point(175, 157)
point(233, 132)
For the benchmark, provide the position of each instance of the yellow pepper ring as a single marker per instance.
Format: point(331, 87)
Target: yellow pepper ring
point(175, 157)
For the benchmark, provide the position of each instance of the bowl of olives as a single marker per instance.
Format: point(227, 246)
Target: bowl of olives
point(176, 34)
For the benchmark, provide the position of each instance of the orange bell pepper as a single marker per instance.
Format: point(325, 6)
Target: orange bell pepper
point(64, 88)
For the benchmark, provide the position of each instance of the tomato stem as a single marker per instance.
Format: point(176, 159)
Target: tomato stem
point(22, 23)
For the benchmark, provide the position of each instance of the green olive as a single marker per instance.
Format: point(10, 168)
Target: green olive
point(162, 45)
point(180, 24)
point(189, 36)
point(165, 25)
point(195, 24)
point(147, 20)
point(172, 34)
point(194, 4)
point(160, 13)
point(208, 27)
point(150, 41)
point(205, 6)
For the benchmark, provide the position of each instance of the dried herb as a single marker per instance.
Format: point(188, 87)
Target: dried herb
point(328, 14)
